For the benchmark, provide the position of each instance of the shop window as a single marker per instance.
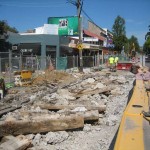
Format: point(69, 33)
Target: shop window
point(51, 51)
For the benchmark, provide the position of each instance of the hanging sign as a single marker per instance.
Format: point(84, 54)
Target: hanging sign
point(80, 46)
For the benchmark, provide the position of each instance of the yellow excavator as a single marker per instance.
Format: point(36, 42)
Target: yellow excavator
point(23, 78)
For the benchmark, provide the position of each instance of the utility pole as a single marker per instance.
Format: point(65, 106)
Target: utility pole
point(79, 7)
point(10, 64)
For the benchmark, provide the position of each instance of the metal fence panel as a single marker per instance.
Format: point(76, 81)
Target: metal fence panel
point(50, 62)
point(61, 63)
point(15, 63)
point(4, 64)
point(72, 61)
point(34, 62)
point(88, 61)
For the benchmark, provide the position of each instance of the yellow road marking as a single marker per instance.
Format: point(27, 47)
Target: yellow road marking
point(130, 135)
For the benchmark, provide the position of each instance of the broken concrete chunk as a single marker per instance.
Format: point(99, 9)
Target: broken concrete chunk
point(16, 143)
point(111, 120)
point(65, 94)
point(56, 137)
point(79, 109)
point(90, 80)
point(117, 91)
point(99, 86)
point(121, 80)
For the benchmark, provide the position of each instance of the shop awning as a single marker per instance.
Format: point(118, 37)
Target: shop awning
point(86, 46)
point(93, 35)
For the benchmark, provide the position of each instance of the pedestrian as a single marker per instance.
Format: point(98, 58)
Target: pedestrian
point(2, 88)
point(111, 62)
point(116, 61)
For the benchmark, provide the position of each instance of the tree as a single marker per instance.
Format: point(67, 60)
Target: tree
point(119, 34)
point(4, 28)
point(148, 33)
point(134, 44)
point(146, 46)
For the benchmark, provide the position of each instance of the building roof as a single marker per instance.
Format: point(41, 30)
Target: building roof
point(93, 35)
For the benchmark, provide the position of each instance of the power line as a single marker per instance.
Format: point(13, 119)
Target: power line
point(87, 16)
point(72, 2)
point(76, 4)
point(31, 4)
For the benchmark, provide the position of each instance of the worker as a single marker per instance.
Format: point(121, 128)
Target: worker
point(2, 88)
point(111, 62)
point(116, 60)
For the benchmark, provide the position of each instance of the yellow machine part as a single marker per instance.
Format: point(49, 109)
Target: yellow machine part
point(26, 74)
point(134, 128)
point(23, 78)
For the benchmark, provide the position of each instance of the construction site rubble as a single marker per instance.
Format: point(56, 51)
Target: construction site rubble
point(65, 111)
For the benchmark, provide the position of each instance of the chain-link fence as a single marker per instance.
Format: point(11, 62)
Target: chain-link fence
point(11, 64)
point(59, 63)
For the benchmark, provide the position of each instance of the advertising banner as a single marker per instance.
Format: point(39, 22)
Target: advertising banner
point(66, 25)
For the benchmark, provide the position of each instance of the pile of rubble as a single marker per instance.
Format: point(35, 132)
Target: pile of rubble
point(73, 111)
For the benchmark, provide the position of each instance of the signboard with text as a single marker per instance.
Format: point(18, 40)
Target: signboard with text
point(66, 25)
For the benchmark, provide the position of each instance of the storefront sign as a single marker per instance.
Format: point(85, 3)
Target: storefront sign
point(26, 50)
point(66, 25)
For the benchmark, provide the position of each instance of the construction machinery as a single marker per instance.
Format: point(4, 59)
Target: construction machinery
point(129, 64)
point(124, 65)
point(23, 78)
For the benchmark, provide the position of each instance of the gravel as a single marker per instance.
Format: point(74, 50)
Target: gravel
point(94, 136)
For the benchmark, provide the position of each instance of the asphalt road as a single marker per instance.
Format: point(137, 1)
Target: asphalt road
point(147, 64)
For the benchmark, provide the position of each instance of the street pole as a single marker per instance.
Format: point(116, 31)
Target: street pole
point(80, 35)
point(20, 61)
point(142, 58)
point(10, 64)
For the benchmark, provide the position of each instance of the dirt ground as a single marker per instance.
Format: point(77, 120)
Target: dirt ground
point(73, 88)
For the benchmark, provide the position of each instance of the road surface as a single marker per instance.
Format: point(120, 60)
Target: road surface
point(147, 64)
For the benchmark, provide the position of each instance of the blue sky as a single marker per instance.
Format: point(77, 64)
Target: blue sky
point(27, 14)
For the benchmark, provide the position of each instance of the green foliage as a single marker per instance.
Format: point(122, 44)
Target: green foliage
point(119, 42)
point(2, 30)
point(134, 44)
point(119, 33)
point(146, 46)
point(148, 34)
point(4, 27)
point(4, 46)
